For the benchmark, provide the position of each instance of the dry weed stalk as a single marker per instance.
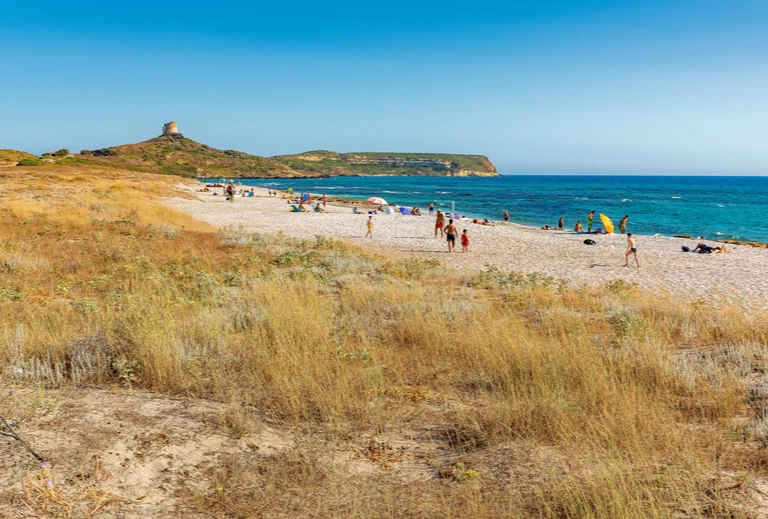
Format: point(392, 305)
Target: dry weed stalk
point(87, 497)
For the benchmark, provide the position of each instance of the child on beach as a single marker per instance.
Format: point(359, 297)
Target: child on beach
point(369, 234)
point(464, 241)
point(631, 250)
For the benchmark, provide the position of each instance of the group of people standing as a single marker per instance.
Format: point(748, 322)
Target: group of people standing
point(450, 232)
point(590, 223)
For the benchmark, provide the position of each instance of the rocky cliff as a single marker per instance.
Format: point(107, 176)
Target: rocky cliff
point(374, 163)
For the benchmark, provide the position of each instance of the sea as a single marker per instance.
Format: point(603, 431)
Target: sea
point(713, 207)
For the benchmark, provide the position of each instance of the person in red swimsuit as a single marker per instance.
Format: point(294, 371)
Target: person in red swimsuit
point(464, 241)
point(439, 223)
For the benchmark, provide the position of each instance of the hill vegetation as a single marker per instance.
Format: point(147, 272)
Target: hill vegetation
point(177, 155)
point(374, 163)
point(12, 157)
point(322, 380)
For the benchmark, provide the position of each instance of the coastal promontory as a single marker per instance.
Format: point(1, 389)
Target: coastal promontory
point(172, 153)
point(324, 162)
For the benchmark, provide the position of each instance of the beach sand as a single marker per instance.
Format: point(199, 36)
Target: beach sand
point(741, 275)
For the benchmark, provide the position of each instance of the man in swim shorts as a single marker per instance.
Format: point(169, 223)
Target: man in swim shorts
point(450, 232)
point(631, 250)
point(590, 219)
point(439, 222)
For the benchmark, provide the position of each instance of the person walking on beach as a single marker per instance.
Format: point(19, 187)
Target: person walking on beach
point(464, 241)
point(369, 234)
point(631, 250)
point(324, 200)
point(623, 224)
point(560, 224)
point(590, 219)
point(450, 234)
point(439, 222)
point(431, 207)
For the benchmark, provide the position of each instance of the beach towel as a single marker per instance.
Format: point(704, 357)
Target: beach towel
point(295, 209)
point(405, 211)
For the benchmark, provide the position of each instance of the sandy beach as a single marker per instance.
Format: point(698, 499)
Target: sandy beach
point(738, 275)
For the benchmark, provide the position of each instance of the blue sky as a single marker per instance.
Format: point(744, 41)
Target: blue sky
point(595, 86)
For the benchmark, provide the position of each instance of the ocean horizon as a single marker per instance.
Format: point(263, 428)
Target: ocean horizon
point(716, 207)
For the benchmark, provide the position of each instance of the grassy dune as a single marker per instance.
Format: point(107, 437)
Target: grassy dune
point(543, 399)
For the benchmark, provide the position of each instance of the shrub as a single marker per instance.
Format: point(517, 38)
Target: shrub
point(30, 162)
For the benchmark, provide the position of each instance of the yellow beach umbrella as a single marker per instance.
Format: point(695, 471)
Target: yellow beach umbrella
point(607, 223)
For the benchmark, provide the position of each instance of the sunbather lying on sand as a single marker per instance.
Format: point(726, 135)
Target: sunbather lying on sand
point(703, 248)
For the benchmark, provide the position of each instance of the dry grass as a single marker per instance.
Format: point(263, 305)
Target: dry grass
point(640, 402)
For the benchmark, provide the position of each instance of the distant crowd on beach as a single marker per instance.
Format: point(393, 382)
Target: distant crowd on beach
point(446, 223)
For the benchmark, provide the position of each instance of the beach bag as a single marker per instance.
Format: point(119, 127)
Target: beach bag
point(686, 248)
point(589, 241)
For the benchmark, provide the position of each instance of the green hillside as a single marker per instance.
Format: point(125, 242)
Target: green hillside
point(178, 155)
point(11, 157)
point(388, 163)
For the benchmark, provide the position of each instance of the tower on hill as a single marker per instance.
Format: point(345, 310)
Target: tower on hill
point(170, 128)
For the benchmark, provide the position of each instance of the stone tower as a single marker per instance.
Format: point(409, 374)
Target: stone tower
point(170, 128)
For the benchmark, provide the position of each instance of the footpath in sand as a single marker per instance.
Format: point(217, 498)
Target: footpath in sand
point(738, 275)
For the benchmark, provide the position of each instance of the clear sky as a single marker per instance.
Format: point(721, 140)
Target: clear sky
point(545, 86)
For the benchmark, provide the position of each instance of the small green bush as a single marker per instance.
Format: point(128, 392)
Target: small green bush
point(29, 161)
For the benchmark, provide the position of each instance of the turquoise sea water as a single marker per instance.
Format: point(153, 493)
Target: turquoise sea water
point(715, 207)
